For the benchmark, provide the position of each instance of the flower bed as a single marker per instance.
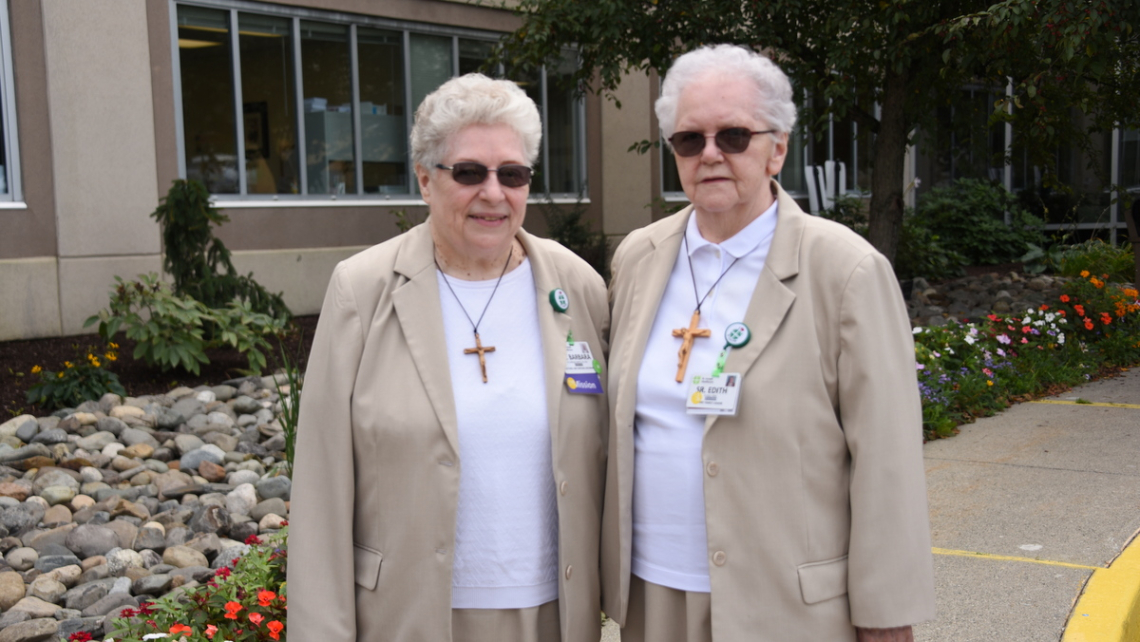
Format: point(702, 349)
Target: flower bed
point(973, 369)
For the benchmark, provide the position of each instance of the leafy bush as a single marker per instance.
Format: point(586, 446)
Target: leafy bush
point(920, 252)
point(1097, 257)
point(1105, 316)
point(174, 331)
point(86, 378)
point(200, 263)
point(244, 602)
point(970, 215)
point(566, 226)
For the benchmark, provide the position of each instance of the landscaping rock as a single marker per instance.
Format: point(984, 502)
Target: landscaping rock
point(12, 589)
point(183, 556)
point(35, 630)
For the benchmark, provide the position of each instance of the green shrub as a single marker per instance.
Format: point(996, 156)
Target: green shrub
point(198, 262)
point(85, 378)
point(970, 216)
point(1097, 257)
point(565, 225)
point(244, 602)
point(174, 331)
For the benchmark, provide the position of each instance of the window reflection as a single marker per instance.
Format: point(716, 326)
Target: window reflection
point(326, 74)
point(382, 116)
point(207, 98)
point(270, 116)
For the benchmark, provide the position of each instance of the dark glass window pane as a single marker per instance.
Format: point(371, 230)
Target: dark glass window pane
point(563, 119)
point(1130, 158)
point(269, 104)
point(431, 65)
point(382, 111)
point(327, 89)
point(472, 55)
point(531, 82)
point(207, 98)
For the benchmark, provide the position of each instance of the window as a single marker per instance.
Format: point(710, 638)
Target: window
point(318, 105)
point(10, 183)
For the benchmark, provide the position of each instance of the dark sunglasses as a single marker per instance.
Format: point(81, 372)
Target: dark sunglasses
point(730, 141)
point(469, 173)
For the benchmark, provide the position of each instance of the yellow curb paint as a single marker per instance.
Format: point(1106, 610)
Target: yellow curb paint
point(1109, 608)
point(1007, 558)
point(1091, 403)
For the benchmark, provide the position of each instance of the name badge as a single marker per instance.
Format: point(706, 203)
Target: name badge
point(582, 369)
point(715, 395)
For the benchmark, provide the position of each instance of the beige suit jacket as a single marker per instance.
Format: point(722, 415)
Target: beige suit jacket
point(815, 494)
point(377, 468)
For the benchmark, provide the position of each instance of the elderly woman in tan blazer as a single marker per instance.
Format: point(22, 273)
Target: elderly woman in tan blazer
point(765, 477)
point(452, 437)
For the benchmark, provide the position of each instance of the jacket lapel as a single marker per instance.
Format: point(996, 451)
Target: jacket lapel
point(553, 325)
point(418, 309)
point(771, 299)
point(656, 266)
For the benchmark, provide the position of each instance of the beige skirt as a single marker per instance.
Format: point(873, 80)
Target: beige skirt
point(660, 614)
point(536, 624)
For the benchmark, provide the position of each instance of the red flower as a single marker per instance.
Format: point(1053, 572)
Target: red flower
point(1064, 298)
point(211, 630)
point(80, 636)
point(1044, 307)
point(992, 317)
point(222, 572)
point(232, 609)
point(128, 612)
point(1106, 318)
point(1061, 312)
point(144, 608)
point(256, 618)
point(181, 628)
point(275, 629)
point(1088, 324)
point(1080, 309)
point(252, 539)
point(265, 598)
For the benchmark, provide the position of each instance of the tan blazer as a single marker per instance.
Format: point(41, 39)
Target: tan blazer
point(377, 468)
point(815, 494)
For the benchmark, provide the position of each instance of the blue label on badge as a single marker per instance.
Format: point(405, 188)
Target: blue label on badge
point(583, 383)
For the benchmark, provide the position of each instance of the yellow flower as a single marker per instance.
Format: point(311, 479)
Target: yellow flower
point(111, 356)
point(37, 369)
point(95, 362)
point(68, 364)
point(989, 382)
point(59, 375)
point(114, 346)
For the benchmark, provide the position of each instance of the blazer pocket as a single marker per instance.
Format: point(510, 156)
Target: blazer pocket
point(366, 565)
point(824, 580)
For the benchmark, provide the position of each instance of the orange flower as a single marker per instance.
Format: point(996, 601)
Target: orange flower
point(1084, 274)
point(275, 629)
point(1080, 309)
point(1106, 318)
point(1088, 326)
point(1043, 307)
point(1131, 292)
point(265, 598)
point(232, 609)
point(1062, 313)
point(181, 628)
point(211, 630)
point(1064, 298)
point(256, 618)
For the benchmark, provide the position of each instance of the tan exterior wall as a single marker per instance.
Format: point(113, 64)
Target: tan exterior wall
point(303, 275)
point(101, 113)
point(29, 299)
point(85, 285)
point(627, 187)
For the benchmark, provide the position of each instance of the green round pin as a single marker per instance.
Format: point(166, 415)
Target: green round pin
point(558, 300)
point(737, 335)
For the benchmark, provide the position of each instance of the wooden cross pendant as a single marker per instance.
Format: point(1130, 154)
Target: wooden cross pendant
point(689, 334)
point(480, 350)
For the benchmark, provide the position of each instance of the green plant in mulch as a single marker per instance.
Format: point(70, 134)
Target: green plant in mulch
point(199, 262)
point(174, 331)
point(77, 381)
point(1097, 257)
point(289, 397)
point(245, 601)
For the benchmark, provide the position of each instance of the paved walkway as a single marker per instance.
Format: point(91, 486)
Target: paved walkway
point(1025, 507)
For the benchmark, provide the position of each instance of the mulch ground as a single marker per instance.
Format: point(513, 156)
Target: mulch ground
point(18, 357)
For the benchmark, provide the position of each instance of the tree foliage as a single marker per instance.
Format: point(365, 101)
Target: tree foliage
point(907, 56)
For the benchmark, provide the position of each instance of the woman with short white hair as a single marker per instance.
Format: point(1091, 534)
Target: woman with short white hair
point(765, 477)
point(451, 448)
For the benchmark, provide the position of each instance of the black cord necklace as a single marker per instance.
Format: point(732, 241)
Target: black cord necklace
point(479, 348)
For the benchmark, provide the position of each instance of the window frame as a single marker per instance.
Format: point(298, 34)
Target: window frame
point(14, 198)
point(353, 21)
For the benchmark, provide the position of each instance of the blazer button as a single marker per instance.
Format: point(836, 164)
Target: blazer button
point(569, 570)
point(719, 558)
point(562, 488)
point(713, 469)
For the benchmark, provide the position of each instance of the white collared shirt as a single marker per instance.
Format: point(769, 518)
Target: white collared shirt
point(669, 538)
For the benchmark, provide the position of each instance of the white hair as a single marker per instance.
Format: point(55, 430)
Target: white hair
point(473, 99)
point(774, 104)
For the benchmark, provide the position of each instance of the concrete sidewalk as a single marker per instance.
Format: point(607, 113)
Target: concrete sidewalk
point(1025, 507)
